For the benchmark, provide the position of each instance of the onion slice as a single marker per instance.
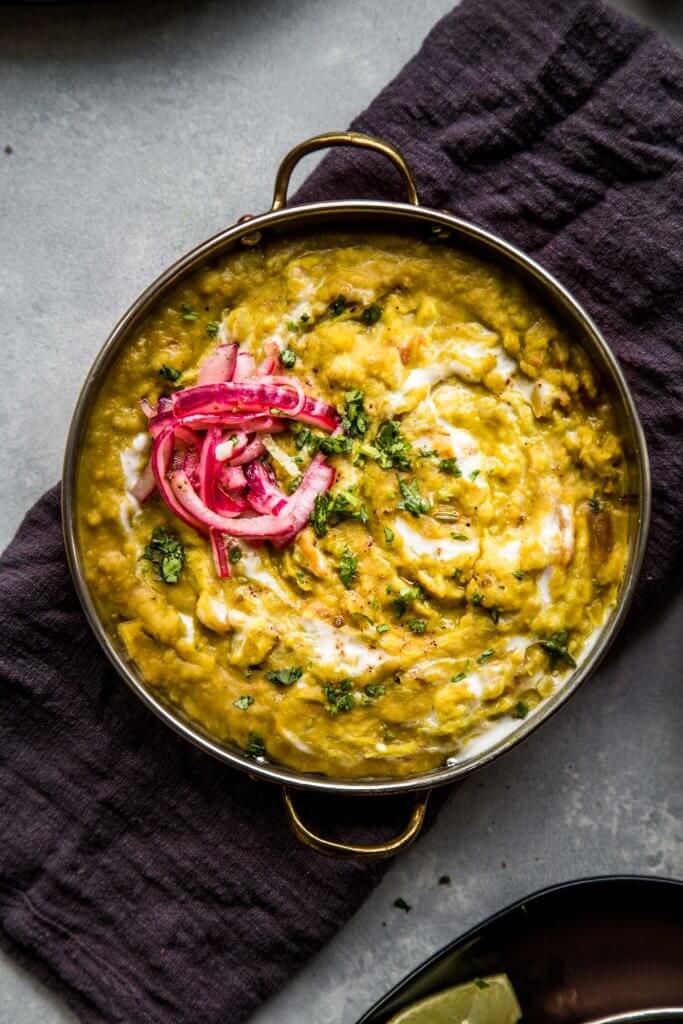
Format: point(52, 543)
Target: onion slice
point(292, 518)
point(255, 448)
point(245, 367)
point(264, 494)
point(238, 396)
point(162, 456)
point(232, 478)
point(220, 554)
point(233, 445)
point(219, 366)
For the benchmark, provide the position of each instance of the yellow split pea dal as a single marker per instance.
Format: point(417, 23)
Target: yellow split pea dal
point(486, 540)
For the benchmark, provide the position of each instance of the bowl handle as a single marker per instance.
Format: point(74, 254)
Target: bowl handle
point(285, 169)
point(377, 852)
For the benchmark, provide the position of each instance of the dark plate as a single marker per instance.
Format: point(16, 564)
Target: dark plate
point(575, 953)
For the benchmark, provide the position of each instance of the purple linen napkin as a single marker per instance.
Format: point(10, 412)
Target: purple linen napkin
point(141, 879)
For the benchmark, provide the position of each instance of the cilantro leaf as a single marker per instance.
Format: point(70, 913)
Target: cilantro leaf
point(234, 554)
point(166, 553)
point(337, 307)
point(285, 676)
point(450, 466)
point(212, 328)
point(484, 656)
point(373, 691)
point(302, 436)
point(393, 447)
point(555, 647)
point(288, 358)
point(406, 598)
point(348, 568)
point(417, 625)
point(255, 745)
point(243, 702)
point(371, 314)
point(330, 509)
point(339, 698)
point(355, 420)
point(388, 534)
point(520, 710)
point(188, 313)
point(170, 373)
point(413, 501)
point(339, 445)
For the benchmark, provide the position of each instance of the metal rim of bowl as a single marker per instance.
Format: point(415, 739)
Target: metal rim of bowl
point(307, 215)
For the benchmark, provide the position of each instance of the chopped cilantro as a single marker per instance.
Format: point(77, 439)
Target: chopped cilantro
point(388, 535)
point(392, 446)
point(288, 358)
point(339, 698)
point(332, 508)
point(321, 512)
point(457, 573)
point(302, 436)
point(188, 313)
point(305, 317)
point(413, 501)
point(166, 553)
point(255, 746)
point(519, 574)
point(383, 628)
point(405, 598)
point(594, 504)
point(459, 678)
point(373, 690)
point(234, 554)
point(355, 420)
point(292, 325)
point(555, 647)
point(417, 625)
point(170, 373)
point(339, 445)
point(243, 702)
point(495, 616)
point(480, 983)
point(337, 307)
point(427, 453)
point(212, 328)
point(371, 314)
point(477, 599)
point(459, 536)
point(474, 474)
point(348, 568)
point(520, 710)
point(484, 656)
point(285, 676)
point(450, 466)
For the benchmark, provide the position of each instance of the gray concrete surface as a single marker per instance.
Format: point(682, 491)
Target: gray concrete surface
point(139, 129)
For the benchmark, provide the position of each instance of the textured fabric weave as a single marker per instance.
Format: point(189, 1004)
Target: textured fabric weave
point(141, 879)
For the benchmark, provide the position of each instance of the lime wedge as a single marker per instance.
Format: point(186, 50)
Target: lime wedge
point(489, 1000)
